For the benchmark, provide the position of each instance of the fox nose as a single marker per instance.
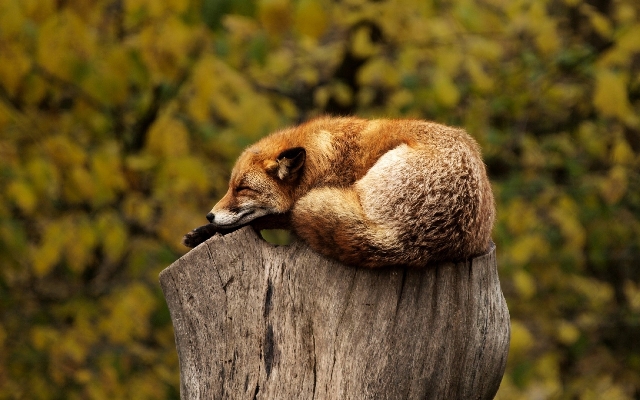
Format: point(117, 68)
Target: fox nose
point(211, 216)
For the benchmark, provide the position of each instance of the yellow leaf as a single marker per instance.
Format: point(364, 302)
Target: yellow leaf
point(109, 79)
point(23, 196)
point(610, 96)
point(198, 108)
point(280, 62)
point(65, 44)
point(532, 155)
point(64, 152)
point(182, 177)
point(625, 14)
point(141, 163)
point(378, 71)
point(11, 18)
point(599, 22)
point(564, 95)
point(288, 108)
point(366, 96)
point(565, 213)
point(80, 185)
point(311, 19)
point(177, 6)
point(80, 244)
point(482, 80)
point(242, 28)
point(14, 66)
point(622, 153)
point(614, 186)
point(520, 217)
point(440, 28)
point(83, 376)
point(484, 49)
point(43, 336)
point(445, 90)
point(524, 284)
point(567, 333)
point(526, 247)
point(199, 105)
point(521, 339)
point(628, 42)
point(38, 10)
point(35, 90)
point(155, 9)
point(598, 295)
point(6, 117)
point(72, 348)
point(547, 39)
point(275, 15)
point(44, 176)
point(605, 388)
point(593, 141)
point(361, 44)
point(113, 234)
point(165, 47)
point(115, 241)
point(168, 137)
point(107, 172)
point(49, 252)
point(128, 313)
point(632, 293)
point(342, 93)
point(321, 96)
point(547, 368)
point(400, 99)
point(544, 27)
point(449, 62)
point(137, 208)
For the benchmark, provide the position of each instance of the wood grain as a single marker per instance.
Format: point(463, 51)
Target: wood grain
point(256, 321)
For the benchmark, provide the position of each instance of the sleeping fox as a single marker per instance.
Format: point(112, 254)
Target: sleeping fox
point(368, 193)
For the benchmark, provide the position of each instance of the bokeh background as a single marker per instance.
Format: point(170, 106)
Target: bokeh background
point(120, 121)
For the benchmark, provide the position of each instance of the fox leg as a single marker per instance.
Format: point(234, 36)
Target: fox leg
point(202, 233)
point(333, 223)
point(270, 221)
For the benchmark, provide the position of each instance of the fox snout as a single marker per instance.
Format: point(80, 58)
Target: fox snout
point(229, 218)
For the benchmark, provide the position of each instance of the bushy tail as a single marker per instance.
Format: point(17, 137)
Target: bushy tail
point(333, 223)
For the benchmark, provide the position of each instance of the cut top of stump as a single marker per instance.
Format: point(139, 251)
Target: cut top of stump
point(253, 320)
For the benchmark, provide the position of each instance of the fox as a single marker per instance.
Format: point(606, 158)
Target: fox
point(368, 193)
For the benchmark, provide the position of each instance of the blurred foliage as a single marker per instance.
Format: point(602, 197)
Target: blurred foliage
point(120, 119)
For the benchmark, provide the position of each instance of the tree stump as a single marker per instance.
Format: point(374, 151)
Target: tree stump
point(257, 321)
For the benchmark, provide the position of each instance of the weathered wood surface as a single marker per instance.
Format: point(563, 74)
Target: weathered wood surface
point(254, 320)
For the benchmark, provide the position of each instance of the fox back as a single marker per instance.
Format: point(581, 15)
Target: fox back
point(365, 192)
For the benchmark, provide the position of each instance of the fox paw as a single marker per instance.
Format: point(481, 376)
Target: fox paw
point(201, 234)
point(198, 235)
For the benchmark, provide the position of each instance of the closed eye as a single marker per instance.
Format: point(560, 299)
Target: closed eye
point(244, 189)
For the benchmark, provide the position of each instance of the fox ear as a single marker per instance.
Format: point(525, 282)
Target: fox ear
point(290, 163)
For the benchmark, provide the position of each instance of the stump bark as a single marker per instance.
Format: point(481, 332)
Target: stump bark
point(257, 321)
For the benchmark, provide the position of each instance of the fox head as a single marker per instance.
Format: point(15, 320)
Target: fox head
point(259, 185)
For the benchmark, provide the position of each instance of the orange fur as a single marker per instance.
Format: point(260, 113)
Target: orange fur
point(369, 193)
